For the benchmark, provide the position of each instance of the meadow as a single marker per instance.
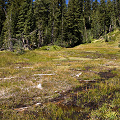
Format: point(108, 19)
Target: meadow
point(54, 83)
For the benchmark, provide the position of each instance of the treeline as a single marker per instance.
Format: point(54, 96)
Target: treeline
point(28, 24)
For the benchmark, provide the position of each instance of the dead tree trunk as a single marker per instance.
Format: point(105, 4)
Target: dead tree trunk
point(52, 33)
point(39, 38)
point(9, 32)
point(10, 42)
point(62, 28)
point(110, 28)
point(53, 22)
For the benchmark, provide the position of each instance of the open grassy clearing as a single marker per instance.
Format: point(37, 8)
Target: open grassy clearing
point(76, 83)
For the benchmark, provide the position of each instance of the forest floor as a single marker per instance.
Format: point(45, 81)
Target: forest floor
point(73, 83)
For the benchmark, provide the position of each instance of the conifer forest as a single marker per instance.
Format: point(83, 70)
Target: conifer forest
point(59, 59)
point(32, 24)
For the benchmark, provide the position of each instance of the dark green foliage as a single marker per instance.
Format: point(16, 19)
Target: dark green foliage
point(119, 45)
point(52, 22)
point(23, 17)
point(96, 27)
point(74, 22)
point(54, 47)
point(42, 19)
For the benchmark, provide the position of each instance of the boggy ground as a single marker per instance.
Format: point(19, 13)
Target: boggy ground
point(77, 83)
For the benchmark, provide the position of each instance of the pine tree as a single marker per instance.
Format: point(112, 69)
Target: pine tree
point(117, 3)
point(74, 22)
point(102, 9)
point(29, 25)
point(42, 17)
point(87, 13)
point(2, 19)
point(2, 14)
point(54, 14)
point(110, 17)
point(95, 5)
point(96, 25)
point(9, 24)
point(22, 33)
point(86, 16)
point(61, 22)
point(53, 22)
point(22, 17)
point(8, 31)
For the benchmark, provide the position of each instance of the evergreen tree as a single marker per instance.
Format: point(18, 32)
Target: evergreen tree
point(8, 31)
point(9, 23)
point(117, 3)
point(87, 13)
point(102, 9)
point(96, 25)
point(74, 22)
point(95, 5)
point(42, 18)
point(86, 16)
point(2, 14)
point(24, 23)
point(61, 22)
point(29, 25)
point(53, 22)
point(2, 19)
point(110, 17)
point(21, 18)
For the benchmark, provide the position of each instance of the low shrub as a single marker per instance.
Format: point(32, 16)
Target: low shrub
point(51, 48)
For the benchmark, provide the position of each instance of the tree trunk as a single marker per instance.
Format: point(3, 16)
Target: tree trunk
point(10, 39)
point(23, 41)
point(110, 28)
point(52, 34)
point(40, 38)
point(10, 42)
point(104, 29)
point(85, 35)
point(62, 28)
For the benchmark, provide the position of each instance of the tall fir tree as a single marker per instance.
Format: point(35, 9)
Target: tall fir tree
point(54, 14)
point(42, 18)
point(110, 17)
point(74, 22)
point(2, 19)
point(29, 25)
point(44, 22)
point(95, 24)
point(24, 23)
point(10, 22)
point(86, 20)
point(62, 8)
point(102, 9)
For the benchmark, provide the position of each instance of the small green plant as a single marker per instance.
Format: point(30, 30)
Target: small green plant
point(104, 113)
point(119, 45)
point(18, 48)
point(51, 48)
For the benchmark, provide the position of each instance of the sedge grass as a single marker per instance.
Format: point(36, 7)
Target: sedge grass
point(18, 84)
